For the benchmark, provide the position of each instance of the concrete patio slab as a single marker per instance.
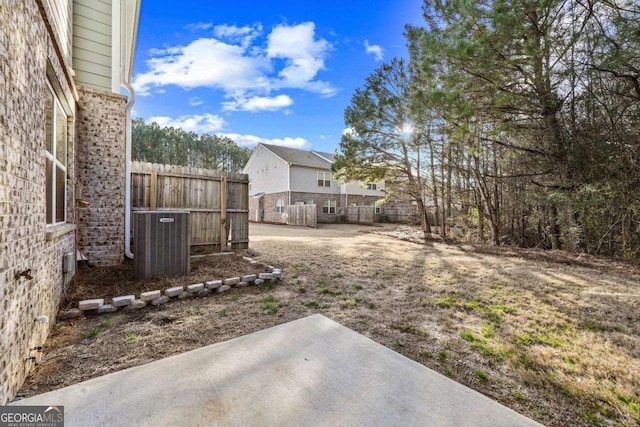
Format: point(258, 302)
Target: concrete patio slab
point(310, 372)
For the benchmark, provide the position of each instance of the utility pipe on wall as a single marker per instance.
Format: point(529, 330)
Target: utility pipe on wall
point(127, 171)
point(125, 80)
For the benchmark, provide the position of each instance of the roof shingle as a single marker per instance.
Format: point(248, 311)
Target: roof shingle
point(293, 156)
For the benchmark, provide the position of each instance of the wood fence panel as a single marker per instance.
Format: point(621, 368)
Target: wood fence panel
point(238, 214)
point(360, 214)
point(302, 215)
point(218, 201)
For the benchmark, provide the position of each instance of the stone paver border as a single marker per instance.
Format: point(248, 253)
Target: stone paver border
point(159, 297)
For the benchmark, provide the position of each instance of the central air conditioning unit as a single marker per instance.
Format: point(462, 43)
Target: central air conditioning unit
point(161, 243)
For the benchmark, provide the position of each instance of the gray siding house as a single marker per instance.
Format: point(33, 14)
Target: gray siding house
point(64, 130)
point(280, 176)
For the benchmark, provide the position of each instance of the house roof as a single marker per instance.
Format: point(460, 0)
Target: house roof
point(295, 157)
point(327, 156)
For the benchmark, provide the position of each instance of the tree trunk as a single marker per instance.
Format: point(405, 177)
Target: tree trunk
point(448, 201)
point(554, 227)
point(434, 182)
point(426, 227)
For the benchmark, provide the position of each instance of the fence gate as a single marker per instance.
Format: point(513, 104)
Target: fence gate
point(218, 201)
point(360, 214)
point(303, 215)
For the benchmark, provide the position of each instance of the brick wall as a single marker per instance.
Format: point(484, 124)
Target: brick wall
point(269, 203)
point(28, 58)
point(318, 199)
point(100, 143)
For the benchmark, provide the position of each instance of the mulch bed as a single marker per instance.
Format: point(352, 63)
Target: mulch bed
point(107, 282)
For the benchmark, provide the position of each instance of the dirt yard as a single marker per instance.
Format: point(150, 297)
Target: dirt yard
point(552, 335)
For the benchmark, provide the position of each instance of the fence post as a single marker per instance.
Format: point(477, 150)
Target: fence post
point(223, 215)
point(153, 191)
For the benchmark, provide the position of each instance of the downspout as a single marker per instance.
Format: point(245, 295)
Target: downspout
point(127, 171)
point(289, 181)
point(126, 65)
point(346, 197)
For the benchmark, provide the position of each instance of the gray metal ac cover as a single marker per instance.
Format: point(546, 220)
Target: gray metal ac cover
point(161, 243)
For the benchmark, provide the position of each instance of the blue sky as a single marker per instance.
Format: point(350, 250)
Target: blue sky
point(279, 72)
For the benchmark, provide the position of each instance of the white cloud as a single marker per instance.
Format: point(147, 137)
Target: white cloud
point(199, 26)
point(212, 124)
point(374, 49)
point(304, 56)
point(236, 62)
point(348, 131)
point(252, 140)
point(244, 35)
point(194, 101)
point(258, 103)
point(204, 63)
point(199, 123)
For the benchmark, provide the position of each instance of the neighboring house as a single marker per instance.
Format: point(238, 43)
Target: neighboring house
point(280, 176)
point(64, 139)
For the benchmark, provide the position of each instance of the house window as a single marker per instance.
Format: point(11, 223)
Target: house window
point(55, 159)
point(309, 202)
point(280, 206)
point(378, 209)
point(372, 186)
point(324, 179)
point(329, 207)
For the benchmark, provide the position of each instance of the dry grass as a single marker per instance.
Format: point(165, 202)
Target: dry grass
point(556, 341)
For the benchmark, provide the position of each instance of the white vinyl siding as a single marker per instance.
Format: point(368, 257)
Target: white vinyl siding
point(88, 16)
point(268, 173)
point(361, 189)
point(305, 180)
point(92, 40)
point(99, 40)
point(61, 23)
point(97, 69)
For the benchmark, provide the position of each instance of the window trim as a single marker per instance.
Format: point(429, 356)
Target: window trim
point(57, 108)
point(324, 179)
point(328, 205)
point(280, 206)
point(372, 186)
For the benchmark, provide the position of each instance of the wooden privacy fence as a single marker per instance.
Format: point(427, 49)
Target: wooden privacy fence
point(360, 214)
point(303, 215)
point(218, 201)
point(401, 215)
